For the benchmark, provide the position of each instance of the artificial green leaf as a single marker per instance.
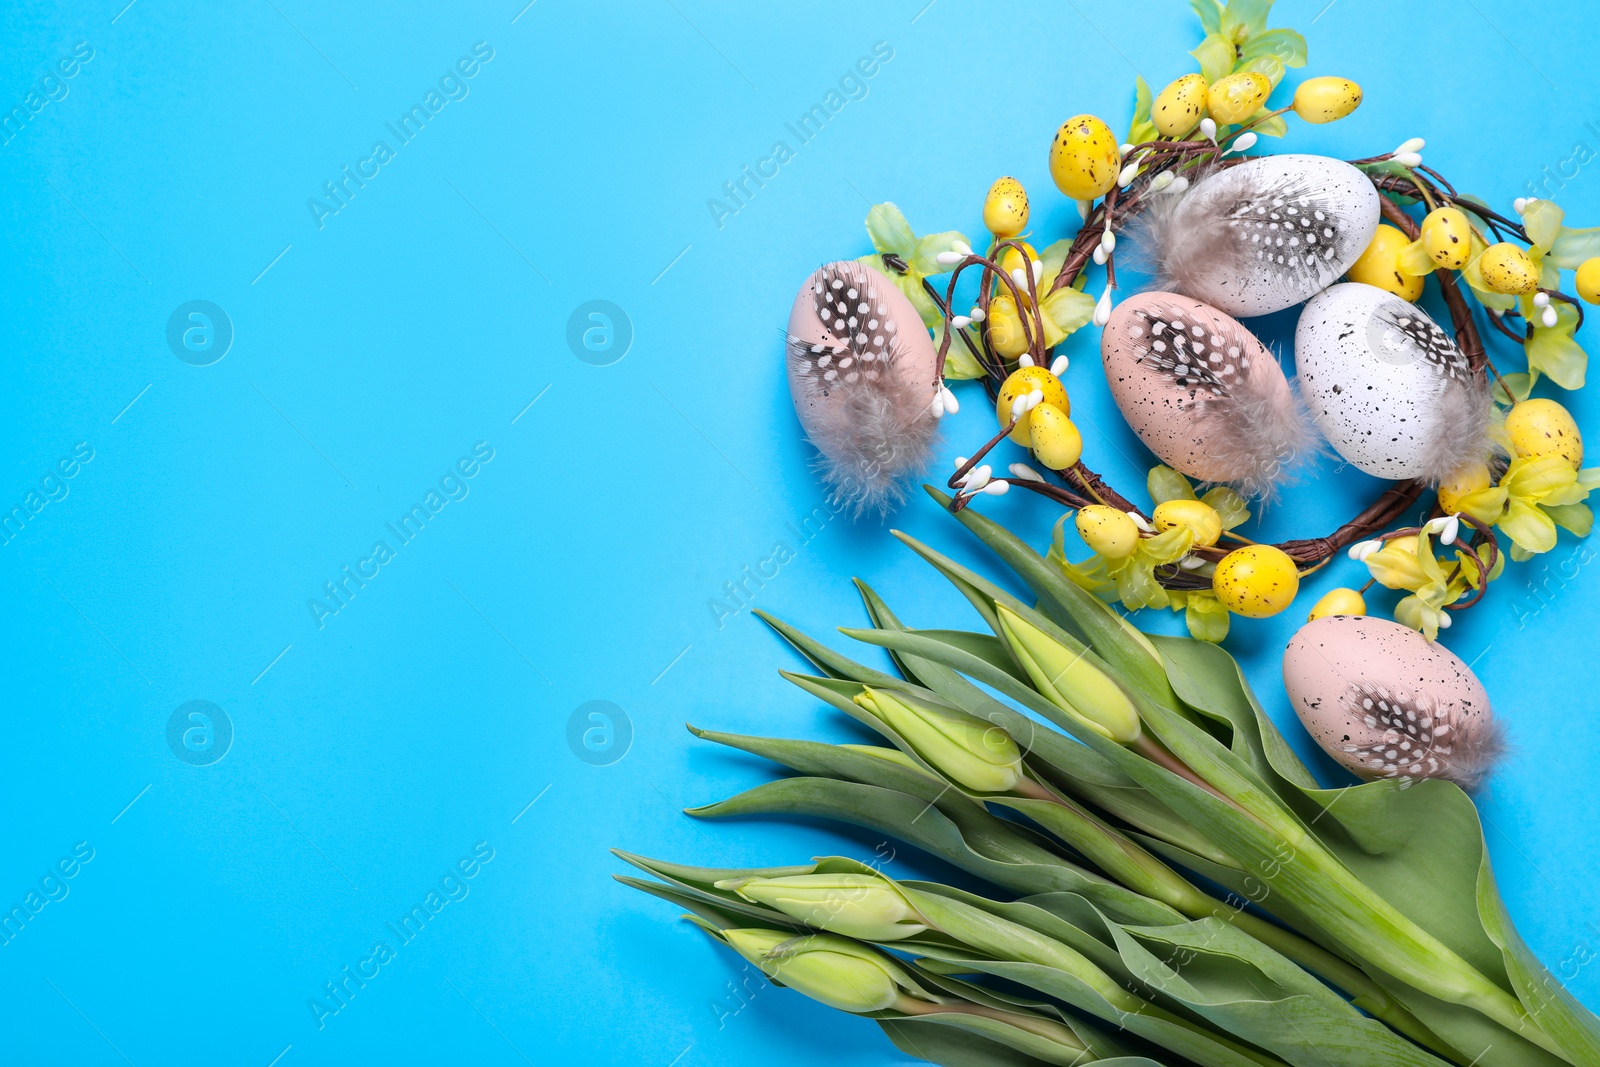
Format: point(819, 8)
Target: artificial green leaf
point(1575, 518)
point(1244, 19)
point(1167, 484)
point(1141, 129)
point(1210, 12)
point(1551, 350)
point(925, 260)
point(911, 285)
point(1528, 527)
point(1541, 220)
point(1267, 124)
point(890, 232)
point(1284, 45)
point(1571, 248)
point(1415, 261)
point(1228, 504)
point(1137, 587)
point(1215, 55)
point(1510, 388)
point(1206, 617)
point(1065, 311)
point(1167, 547)
point(960, 365)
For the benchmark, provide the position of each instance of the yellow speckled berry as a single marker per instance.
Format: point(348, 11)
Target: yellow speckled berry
point(1380, 265)
point(1256, 581)
point(1006, 335)
point(1085, 158)
point(1107, 531)
point(1507, 269)
point(1056, 441)
point(1338, 602)
point(1197, 515)
point(1326, 99)
point(1447, 237)
point(1588, 278)
point(1541, 427)
point(1469, 479)
point(1022, 381)
point(1238, 96)
point(1005, 209)
point(1181, 105)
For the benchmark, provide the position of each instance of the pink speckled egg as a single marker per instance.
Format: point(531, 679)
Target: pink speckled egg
point(863, 372)
point(1201, 391)
point(1385, 702)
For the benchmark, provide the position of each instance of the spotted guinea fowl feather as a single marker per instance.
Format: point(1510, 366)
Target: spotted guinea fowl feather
point(1405, 335)
point(1410, 736)
point(877, 430)
point(1249, 425)
point(1283, 224)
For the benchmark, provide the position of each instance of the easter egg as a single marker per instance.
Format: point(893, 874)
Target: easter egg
point(1385, 702)
point(1180, 106)
point(863, 374)
point(1263, 235)
point(1084, 158)
point(1200, 390)
point(1387, 387)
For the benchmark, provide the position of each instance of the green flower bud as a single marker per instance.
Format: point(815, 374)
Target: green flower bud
point(839, 973)
point(856, 905)
point(1069, 680)
point(970, 752)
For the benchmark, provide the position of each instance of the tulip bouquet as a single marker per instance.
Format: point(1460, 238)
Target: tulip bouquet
point(1170, 883)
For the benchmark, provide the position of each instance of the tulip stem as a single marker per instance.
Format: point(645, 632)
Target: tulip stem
point(1033, 1024)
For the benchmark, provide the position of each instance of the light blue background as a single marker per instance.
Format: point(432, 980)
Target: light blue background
point(372, 753)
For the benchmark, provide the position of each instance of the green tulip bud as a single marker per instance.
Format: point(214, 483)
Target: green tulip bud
point(1068, 679)
point(856, 905)
point(970, 752)
point(833, 970)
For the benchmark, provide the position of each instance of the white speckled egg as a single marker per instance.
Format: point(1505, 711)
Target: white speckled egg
point(1200, 390)
point(1385, 702)
point(1264, 235)
point(863, 373)
point(1387, 387)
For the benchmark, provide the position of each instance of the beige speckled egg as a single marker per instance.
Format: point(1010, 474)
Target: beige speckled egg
point(1385, 702)
point(863, 372)
point(1179, 371)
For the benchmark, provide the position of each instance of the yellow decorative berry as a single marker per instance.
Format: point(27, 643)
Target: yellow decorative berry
point(1181, 105)
point(1338, 602)
point(1447, 237)
point(1256, 581)
point(1327, 99)
point(1540, 427)
point(1005, 209)
point(1085, 158)
point(1469, 479)
point(1056, 441)
point(1238, 96)
point(1197, 515)
point(1507, 269)
point(1006, 335)
point(1380, 265)
point(1107, 531)
point(1021, 382)
point(1588, 278)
